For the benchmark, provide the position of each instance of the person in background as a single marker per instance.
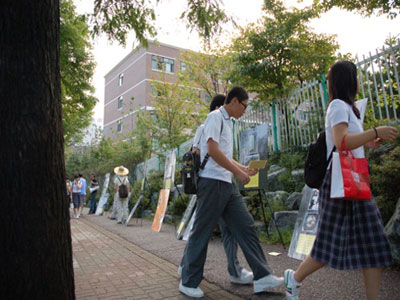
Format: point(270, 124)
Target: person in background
point(350, 234)
point(83, 193)
point(237, 273)
point(76, 195)
point(68, 187)
point(122, 202)
point(94, 186)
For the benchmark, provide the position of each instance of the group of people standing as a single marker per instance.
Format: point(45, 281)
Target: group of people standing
point(76, 193)
point(350, 233)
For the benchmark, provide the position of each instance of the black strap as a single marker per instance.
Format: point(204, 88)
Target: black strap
point(203, 164)
point(330, 156)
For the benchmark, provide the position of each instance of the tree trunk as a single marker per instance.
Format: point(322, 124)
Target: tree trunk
point(35, 243)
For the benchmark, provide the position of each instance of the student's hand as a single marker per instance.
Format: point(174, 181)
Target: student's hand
point(375, 143)
point(243, 177)
point(252, 171)
point(387, 133)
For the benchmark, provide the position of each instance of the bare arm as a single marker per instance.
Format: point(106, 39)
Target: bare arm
point(249, 172)
point(355, 140)
point(221, 159)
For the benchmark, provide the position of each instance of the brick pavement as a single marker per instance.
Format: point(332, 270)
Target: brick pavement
point(108, 267)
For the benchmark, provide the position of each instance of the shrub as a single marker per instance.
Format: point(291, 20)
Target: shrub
point(385, 179)
point(290, 184)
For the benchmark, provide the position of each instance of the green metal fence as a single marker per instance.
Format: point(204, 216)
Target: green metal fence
point(297, 119)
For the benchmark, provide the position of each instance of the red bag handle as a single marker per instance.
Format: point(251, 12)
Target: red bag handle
point(343, 147)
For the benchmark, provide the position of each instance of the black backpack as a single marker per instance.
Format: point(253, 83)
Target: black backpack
point(122, 189)
point(189, 170)
point(316, 163)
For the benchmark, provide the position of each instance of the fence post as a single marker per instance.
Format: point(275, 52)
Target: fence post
point(177, 156)
point(276, 148)
point(159, 163)
point(323, 82)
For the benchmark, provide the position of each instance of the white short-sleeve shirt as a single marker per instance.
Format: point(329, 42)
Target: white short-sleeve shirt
point(198, 135)
point(342, 112)
point(212, 130)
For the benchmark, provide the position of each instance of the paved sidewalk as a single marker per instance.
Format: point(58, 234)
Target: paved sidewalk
point(109, 267)
point(133, 262)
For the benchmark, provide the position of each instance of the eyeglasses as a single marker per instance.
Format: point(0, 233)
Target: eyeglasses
point(244, 106)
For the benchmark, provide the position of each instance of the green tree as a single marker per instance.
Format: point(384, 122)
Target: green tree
point(364, 7)
point(170, 121)
point(119, 17)
point(209, 70)
point(281, 52)
point(36, 253)
point(77, 68)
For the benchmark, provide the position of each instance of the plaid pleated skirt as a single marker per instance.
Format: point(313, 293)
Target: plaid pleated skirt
point(350, 234)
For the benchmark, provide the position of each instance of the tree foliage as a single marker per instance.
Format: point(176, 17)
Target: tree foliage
point(209, 70)
point(281, 52)
point(170, 121)
point(364, 7)
point(205, 16)
point(77, 68)
point(118, 17)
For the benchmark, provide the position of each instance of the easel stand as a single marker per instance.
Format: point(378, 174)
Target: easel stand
point(261, 194)
point(174, 204)
point(138, 201)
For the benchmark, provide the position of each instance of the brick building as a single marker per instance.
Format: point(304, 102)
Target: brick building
point(128, 85)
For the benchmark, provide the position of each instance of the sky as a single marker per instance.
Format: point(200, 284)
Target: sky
point(355, 34)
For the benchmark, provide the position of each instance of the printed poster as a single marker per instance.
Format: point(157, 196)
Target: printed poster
point(161, 209)
point(306, 225)
point(254, 147)
point(104, 196)
point(169, 170)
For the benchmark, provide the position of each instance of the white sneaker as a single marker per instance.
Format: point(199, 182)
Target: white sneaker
point(292, 288)
point(267, 282)
point(191, 292)
point(180, 271)
point(246, 277)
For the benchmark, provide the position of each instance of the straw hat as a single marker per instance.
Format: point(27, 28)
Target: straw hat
point(121, 171)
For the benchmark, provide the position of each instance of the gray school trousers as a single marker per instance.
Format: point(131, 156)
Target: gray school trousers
point(215, 199)
point(230, 247)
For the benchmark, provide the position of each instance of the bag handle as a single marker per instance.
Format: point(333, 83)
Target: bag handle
point(343, 147)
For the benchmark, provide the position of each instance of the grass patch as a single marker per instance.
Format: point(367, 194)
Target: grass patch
point(274, 239)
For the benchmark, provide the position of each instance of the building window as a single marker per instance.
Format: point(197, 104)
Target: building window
point(120, 102)
point(121, 79)
point(183, 66)
point(119, 126)
point(159, 63)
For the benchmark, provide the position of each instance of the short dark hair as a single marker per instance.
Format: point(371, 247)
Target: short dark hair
point(238, 92)
point(80, 175)
point(218, 100)
point(76, 176)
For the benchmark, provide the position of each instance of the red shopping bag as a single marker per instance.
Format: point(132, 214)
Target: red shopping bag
point(352, 181)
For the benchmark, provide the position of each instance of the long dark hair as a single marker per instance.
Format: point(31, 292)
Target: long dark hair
point(343, 83)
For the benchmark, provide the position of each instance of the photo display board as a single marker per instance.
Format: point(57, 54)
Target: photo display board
point(161, 209)
point(306, 225)
point(169, 170)
point(254, 146)
point(104, 196)
point(186, 216)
